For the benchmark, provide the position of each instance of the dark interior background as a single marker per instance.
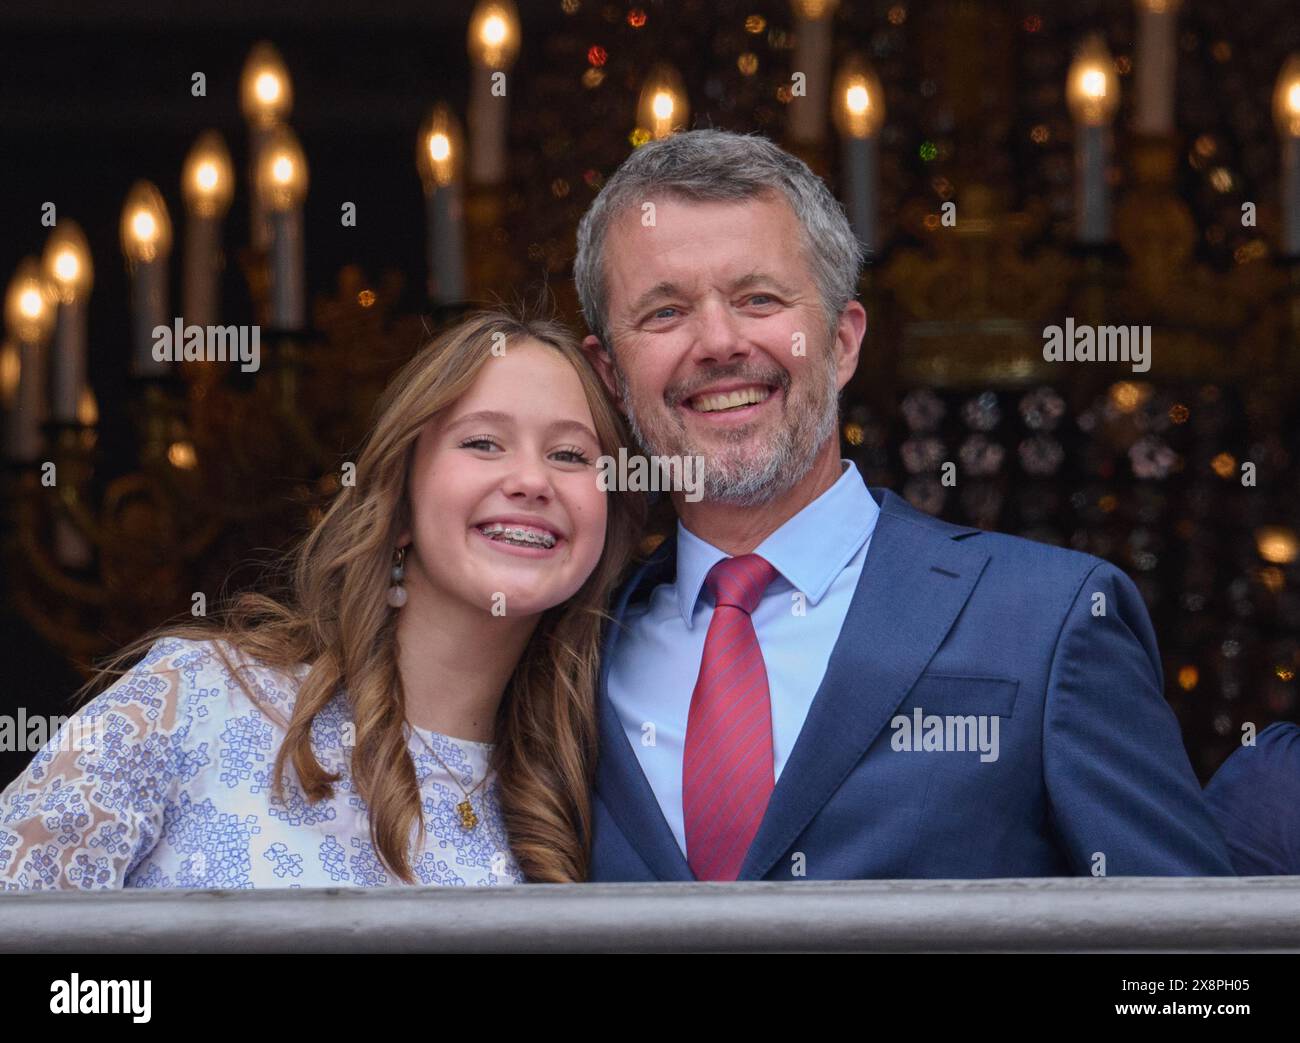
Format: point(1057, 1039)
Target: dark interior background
point(95, 96)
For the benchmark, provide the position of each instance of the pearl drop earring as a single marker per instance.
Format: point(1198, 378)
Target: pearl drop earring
point(397, 592)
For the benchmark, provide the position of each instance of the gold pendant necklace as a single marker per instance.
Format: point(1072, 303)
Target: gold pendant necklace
point(468, 820)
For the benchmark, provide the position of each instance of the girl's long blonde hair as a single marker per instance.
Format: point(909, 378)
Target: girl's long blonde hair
point(332, 614)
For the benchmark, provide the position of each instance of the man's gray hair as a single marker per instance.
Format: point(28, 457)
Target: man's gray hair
point(720, 165)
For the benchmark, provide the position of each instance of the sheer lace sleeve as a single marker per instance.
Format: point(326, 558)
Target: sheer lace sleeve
point(90, 804)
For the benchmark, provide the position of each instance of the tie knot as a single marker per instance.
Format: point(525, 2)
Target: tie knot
point(740, 582)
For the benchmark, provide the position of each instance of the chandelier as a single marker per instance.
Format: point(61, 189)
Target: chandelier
point(1181, 475)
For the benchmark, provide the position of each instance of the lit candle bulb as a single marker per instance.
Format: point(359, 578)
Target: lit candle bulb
point(283, 180)
point(29, 317)
point(87, 408)
point(493, 47)
point(1155, 66)
point(1276, 544)
point(9, 367)
point(70, 545)
point(438, 158)
point(207, 185)
point(70, 273)
point(10, 371)
point(146, 243)
point(859, 113)
point(662, 107)
point(266, 97)
point(812, 57)
point(1092, 92)
point(1286, 114)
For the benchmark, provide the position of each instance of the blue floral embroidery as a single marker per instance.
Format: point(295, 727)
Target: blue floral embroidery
point(69, 814)
point(215, 844)
point(19, 807)
point(246, 742)
point(8, 847)
point(333, 858)
point(114, 837)
point(366, 868)
point(191, 762)
point(178, 790)
point(434, 870)
point(155, 877)
point(285, 862)
point(43, 863)
point(90, 875)
point(295, 809)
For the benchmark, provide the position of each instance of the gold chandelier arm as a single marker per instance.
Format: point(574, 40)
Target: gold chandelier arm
point(74, 509)
point(51, 575)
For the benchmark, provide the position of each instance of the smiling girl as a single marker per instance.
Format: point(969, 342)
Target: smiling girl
point(417, 707)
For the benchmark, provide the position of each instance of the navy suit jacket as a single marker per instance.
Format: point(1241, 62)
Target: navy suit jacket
point(1255, 798)
point(1091, 776)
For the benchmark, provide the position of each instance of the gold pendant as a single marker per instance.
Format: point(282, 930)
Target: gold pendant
point(468, 819)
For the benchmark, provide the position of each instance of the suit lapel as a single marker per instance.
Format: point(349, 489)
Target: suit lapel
point(914, 582)
point(916, 578)
point(619, 779)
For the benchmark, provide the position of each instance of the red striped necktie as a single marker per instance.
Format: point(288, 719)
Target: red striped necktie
point(727, 773)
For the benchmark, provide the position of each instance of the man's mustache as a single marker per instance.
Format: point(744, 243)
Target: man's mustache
point(780, 381)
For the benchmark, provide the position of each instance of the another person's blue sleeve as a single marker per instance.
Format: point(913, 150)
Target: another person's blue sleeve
point(1255, 798)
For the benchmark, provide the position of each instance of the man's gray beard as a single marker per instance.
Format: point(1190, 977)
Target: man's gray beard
point(744, 485)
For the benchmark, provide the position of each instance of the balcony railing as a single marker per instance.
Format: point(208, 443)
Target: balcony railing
point(1130, 914)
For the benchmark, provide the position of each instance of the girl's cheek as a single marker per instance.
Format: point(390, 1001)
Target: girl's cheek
point(586, 510)
point(594, 505)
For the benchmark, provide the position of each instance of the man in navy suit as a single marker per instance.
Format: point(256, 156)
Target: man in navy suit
point(810, 678)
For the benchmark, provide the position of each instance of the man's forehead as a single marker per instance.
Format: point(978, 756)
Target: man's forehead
point(637, 270)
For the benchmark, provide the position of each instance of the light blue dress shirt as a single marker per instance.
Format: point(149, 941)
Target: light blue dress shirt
point(818, 554)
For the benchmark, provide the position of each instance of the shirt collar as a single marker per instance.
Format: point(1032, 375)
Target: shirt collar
point(808, 551)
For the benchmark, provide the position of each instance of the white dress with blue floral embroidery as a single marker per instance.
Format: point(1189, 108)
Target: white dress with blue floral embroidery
point(175, 791)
